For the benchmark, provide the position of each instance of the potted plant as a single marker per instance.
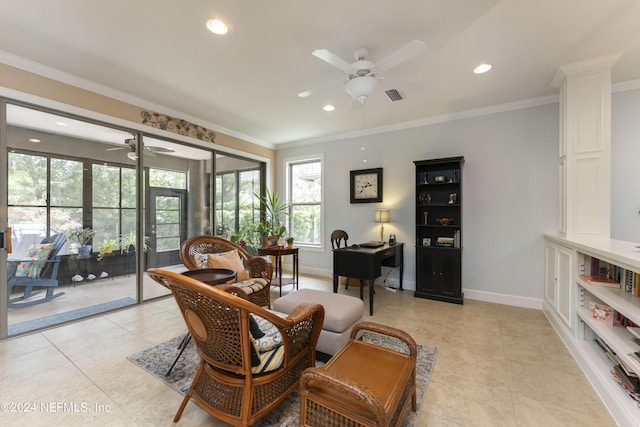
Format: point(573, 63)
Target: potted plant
point(107, 246)
point(275, 209)
point(83, 237)
point(289, 240)
point(129, 242)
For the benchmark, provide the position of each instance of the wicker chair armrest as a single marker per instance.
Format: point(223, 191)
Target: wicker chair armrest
point(350, 394)
point(301, 328)
point(259, 267)
point(388, 331)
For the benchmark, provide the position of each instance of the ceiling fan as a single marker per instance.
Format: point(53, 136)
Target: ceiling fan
point(363, 76)
point(150, 150)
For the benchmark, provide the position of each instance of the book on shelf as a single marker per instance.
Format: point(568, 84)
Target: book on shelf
point(598, 280)
point(601, 312)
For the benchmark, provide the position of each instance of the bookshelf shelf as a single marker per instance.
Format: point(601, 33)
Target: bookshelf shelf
point(578, 272)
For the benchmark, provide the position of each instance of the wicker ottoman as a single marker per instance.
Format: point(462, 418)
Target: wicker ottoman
point(341, 313)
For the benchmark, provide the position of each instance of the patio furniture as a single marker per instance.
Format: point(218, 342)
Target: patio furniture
point(254, 272)
point(341, 313)
point(38, 270)
point(363, 385)
point(236, 381)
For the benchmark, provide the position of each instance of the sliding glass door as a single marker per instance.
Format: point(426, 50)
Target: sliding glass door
point(65, 191)
point(91, 206)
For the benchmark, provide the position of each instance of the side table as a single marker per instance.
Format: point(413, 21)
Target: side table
point(278, 252)
point(212, 276)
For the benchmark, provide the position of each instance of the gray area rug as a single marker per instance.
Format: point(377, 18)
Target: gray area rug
point(157, 360)
point(67, 316)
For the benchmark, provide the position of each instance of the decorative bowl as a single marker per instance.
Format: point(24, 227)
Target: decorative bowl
point(444, 221)
point(439, 178)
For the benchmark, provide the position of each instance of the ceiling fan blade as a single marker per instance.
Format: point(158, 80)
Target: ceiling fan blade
point(117, 148)
point(406, 52)
point(333, 59)
point(157, 149)
point(313, 91)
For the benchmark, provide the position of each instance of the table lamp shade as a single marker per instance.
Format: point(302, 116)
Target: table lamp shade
point(382, 216)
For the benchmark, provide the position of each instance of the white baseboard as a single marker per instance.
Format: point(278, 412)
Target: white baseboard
point(514, 300)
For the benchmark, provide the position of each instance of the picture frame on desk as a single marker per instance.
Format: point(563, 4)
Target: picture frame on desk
point(270, 241)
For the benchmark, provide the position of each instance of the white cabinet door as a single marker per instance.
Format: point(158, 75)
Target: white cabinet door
point(565, 284)
point(550, 281)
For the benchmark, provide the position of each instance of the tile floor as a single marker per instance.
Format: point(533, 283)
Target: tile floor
point(497, 365)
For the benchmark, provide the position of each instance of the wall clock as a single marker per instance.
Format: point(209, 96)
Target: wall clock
point(366, 185)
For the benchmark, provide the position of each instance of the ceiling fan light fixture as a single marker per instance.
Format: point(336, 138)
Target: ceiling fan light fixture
point(132, 155)
point(329, 107)
point(361, 88)
point(216, 26)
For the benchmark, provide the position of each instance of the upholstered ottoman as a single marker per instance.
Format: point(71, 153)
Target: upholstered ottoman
point(341, 313)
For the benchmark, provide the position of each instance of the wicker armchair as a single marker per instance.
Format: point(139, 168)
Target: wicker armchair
point(257, 267)
point(226, 384)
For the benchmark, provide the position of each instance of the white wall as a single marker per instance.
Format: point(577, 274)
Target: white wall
point(625, 166)
point(510, 196)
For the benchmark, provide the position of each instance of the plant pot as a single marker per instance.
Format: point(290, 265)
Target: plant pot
point(84, 251)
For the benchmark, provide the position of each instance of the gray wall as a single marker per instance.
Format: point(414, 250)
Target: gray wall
point(625, 166)
point(510, 192)
point(510, 196)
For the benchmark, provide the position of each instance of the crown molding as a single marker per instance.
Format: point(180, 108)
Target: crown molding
point(72, 80)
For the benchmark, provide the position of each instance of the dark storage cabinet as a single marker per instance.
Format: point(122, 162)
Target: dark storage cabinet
point(439, 229)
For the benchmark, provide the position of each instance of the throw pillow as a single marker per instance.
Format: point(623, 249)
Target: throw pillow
point(201, 260)
point(36, 253)
point(230, 260)
point(255, 330)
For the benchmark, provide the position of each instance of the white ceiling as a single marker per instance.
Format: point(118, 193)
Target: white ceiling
point(248, 80)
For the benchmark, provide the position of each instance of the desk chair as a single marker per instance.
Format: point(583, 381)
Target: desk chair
point(339, 239)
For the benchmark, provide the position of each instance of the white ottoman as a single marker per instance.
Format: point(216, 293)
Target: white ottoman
point(341, 313)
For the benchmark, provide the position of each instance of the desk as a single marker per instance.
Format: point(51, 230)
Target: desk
point(366, 264)
point(278, 253)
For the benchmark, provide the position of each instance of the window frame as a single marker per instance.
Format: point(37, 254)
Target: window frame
point(288, 165)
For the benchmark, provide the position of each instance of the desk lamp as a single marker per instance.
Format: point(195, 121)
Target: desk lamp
point(382, 216)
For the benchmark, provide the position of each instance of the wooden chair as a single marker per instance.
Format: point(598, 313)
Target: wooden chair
point(46, 278)
point(226, 384)
point(258, 268)
point(338, 240)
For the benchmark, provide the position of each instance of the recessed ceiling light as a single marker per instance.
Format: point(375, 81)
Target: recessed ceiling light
point(329, 107)
point(34, 140)
point(482, 68)
point(216, 26)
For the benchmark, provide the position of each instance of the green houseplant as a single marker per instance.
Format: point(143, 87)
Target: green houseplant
point(275, 209)
point(83, 237)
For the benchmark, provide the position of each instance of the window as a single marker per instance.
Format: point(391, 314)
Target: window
point(304, 193)
point(236, 203)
